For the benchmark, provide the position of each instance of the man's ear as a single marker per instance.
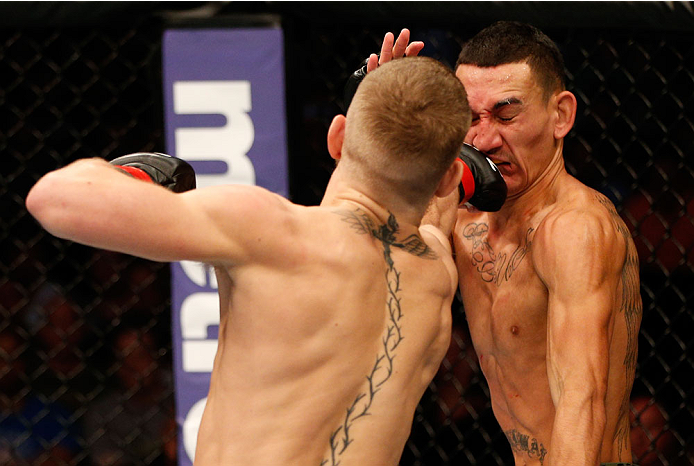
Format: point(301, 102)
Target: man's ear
point(336, 136)
point(451, 179)
point(566, 114)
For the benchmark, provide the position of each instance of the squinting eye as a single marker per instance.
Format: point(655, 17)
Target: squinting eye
point(507, 113)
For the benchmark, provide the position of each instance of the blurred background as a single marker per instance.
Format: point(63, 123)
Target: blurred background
point(85, 334)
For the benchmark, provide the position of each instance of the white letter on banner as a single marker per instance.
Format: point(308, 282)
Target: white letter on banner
point(230, 142)
point(198, 312)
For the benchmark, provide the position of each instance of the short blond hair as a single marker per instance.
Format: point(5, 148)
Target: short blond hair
point(406, 124)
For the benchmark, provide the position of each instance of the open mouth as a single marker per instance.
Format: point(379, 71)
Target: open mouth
point(503, 167)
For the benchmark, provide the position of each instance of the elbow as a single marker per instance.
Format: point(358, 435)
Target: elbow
point(37, 199)
point(43, 202)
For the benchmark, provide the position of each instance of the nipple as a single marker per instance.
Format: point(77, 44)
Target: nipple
point(514, 330)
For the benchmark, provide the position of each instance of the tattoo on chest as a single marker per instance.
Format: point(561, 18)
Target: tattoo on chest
point(382, 369)
point(523, 443)
point(494, 267)
point(632, 308)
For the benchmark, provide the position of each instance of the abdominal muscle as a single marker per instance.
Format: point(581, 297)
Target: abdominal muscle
point(509, 336)
point(522, 405)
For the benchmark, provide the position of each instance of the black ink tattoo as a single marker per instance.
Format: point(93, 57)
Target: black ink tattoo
point(522, 443)
point(362, 224)
point(632, 308)
point(492, 267)
point(383, 367)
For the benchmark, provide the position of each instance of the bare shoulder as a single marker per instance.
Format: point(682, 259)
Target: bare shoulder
point(582, 210)
point(252, 199)
point(441, 247)
point(239, 224)
point(436, 239)
point(252, 207)
point(584, 227)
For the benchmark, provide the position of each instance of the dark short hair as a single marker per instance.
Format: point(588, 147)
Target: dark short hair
point(507, 42)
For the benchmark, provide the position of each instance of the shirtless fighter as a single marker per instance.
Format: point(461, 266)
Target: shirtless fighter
point(550, 282)
point(335, 318)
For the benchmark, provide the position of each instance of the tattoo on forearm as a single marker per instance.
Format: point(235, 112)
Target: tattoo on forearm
point(382, 369)
point(492, 267)
point(632, 308)
point(522, 443)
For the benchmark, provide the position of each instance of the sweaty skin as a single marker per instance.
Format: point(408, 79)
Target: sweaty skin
point(329, 334)
point(549, 283)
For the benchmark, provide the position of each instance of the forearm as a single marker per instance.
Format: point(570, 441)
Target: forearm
point(578, 430)
point(442, 213)
point(76, 202)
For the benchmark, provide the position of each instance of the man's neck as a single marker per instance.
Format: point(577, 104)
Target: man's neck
point(342, 192)
point(541, 193)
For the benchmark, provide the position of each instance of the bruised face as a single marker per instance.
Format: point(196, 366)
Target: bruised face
point(512, 123)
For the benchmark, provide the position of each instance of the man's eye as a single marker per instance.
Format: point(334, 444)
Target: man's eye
point(507, 113)
point(506, 116)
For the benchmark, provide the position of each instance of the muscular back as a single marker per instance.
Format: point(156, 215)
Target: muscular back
point(327, 342)
point(527, 318)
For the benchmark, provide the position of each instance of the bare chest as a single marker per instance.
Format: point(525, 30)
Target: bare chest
point(505, 301)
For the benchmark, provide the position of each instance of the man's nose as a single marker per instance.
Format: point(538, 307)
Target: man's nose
point(484, 136)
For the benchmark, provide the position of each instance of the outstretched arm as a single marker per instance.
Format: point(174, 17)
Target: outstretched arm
point(94, 203)
point(579, 257)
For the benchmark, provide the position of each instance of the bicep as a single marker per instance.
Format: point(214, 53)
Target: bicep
point(577, 258)
point(217, 225)
point(237, 224)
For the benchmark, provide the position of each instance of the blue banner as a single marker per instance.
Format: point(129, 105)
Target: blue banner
point(225, 114)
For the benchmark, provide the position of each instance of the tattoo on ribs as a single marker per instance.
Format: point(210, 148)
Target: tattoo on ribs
point(522, 443)
point(631, 306)
point(382, 369)
point(492, 267)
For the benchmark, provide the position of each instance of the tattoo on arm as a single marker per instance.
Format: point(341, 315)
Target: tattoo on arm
point(632, 308)
point(523, 443)
point(382, 369)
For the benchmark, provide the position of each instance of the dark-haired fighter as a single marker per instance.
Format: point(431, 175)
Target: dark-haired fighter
point(550, 282)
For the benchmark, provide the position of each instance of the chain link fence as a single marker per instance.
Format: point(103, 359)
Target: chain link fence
point(85, 344)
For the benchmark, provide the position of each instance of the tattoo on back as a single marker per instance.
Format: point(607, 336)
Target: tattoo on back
point(382, 369)
point(492, 267)
point(631, 307)
point(523, 443)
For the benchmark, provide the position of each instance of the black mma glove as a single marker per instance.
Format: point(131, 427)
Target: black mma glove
point(481, 185)
point(173, 173)
point(353, 83)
